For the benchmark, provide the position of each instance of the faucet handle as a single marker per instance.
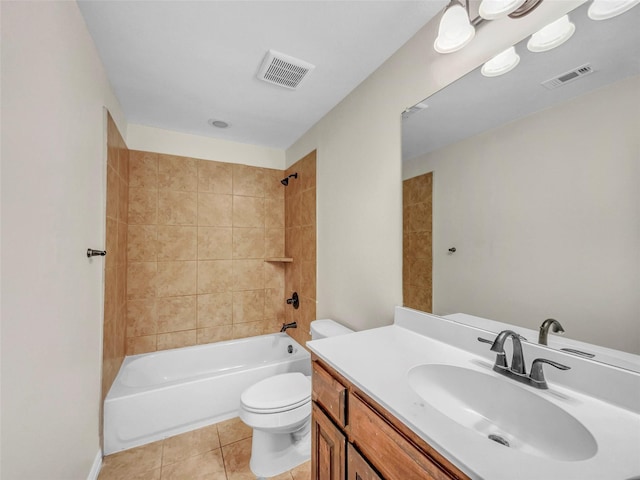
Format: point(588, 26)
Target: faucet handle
point(537, 374)
point(484, 340)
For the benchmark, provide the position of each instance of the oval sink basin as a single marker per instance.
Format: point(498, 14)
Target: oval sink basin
point(503, 411)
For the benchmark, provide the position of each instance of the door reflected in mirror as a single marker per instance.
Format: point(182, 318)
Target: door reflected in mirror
point(537, 189)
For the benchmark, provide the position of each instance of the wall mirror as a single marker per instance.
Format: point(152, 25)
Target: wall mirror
point(535, 191)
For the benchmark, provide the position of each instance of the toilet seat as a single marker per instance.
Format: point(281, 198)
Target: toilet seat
point(276, 394)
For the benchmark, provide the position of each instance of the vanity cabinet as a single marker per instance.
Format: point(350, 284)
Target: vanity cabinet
point(354, 438)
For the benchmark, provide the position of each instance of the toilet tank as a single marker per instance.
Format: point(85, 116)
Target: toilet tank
point(327, 328)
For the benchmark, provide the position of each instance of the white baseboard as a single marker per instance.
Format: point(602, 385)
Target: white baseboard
point(95, 468)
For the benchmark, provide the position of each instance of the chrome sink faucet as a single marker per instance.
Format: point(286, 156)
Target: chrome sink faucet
point(549, 323)
point(517, 369)
point(517, 360)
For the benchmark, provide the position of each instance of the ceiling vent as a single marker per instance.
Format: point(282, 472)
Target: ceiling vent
point(283, 70)
point(568, 77)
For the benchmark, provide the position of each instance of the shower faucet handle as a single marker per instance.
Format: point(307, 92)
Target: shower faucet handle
point(294, 300)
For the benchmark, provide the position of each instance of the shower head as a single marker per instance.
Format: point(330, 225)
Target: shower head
point(285, 181)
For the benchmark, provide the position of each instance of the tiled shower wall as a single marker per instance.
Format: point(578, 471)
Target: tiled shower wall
point(417, 255)
point(300, 276)
point(115, 286)
point(199, 232)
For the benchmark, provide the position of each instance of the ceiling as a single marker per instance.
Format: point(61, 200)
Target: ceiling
point(176, 64)
point(476, 103)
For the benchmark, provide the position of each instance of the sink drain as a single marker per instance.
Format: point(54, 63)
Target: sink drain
point(498, 439)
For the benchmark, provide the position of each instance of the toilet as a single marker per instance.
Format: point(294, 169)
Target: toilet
point(278, 409)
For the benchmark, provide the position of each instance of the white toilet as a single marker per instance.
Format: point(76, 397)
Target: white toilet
point(278, 409)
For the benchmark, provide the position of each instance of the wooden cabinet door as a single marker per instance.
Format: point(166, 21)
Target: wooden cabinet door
point(328, 447)
point(358, 468)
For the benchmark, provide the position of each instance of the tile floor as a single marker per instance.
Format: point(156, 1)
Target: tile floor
point(216, 452)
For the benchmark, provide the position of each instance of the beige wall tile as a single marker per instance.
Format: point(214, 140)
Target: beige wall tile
point(248, 212)
point(214, 334)
point(272, 186)
point(215, 243)
point(274, 242)
point(176, 279)
point(141, 279)
point(308, 244)
point(138, 345)
point(123, 160)
point(249, 329)
point(274, 275)
point(177, 208)
point(308, 279)
point(274, 304)
point(215, 309)
point(143, 206)
point(206, 466)
point(141, 317)
point(308, 207)
point(141, 243)
point(274, 213)
point(143, 169)
point(176, 313)
point(185, 338)
point(215, 210)
point(248, 243)
point(123, 200)
point(248, 181)
point(190, 444)
point(121, 257)
point(111, 244)
point(233, 430)
point(113, 189)
point(177, 243)
point(248, 306)
point(177, 173)
point(121, 286)
point(215, 177)
point(248, 275)
point(214, 276)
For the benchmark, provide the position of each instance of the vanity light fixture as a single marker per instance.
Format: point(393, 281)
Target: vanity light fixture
point(551, 36)
point(502, 63)
point(494, 9)
point(455, 30)
point(605, 9)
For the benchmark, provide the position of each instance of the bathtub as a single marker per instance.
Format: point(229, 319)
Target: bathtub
point(157, 395)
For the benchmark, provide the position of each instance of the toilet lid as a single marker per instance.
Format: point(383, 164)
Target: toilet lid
point(278, 393)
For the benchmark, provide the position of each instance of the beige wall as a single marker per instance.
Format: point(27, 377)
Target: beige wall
point(300, 244)
point(199, 233)
point(545, 215)
point(151, 139)
point(359, 186)
point(54, 89)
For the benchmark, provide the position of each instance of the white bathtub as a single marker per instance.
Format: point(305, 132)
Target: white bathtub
point(157, 395)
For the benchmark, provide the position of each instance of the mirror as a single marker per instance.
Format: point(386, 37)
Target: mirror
point(536, 193)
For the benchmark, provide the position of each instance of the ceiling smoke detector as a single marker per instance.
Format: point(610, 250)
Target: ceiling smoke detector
point(283, 70)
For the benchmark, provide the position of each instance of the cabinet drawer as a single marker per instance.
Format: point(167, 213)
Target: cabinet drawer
point(358, 468)
point(330, 394)
point(389, 451)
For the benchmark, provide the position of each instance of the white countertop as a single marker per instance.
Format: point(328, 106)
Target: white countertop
point(377, 361)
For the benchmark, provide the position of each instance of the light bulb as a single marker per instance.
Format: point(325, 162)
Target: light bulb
point(604, 9)
point(551, 36)
point(502, 63)
point(455, 30)
point(493, 9)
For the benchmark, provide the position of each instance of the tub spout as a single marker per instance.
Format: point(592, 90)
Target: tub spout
point(286, 326)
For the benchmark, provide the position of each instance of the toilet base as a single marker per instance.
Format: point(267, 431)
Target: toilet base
point(275, 453)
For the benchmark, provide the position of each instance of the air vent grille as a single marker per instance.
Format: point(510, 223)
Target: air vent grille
point(283, 70)
point(569, 76)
